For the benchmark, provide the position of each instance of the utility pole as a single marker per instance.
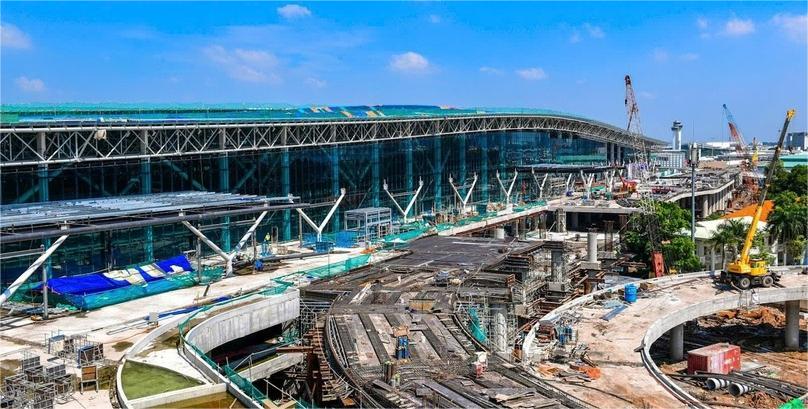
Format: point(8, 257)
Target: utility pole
point(694, 162)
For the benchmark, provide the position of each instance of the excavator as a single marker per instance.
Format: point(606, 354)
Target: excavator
point(746, 272)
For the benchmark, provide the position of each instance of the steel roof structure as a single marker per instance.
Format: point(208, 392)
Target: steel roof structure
point(41, 136)
point(32, 221)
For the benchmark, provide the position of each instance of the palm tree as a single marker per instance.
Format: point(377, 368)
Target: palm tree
point(720, 240)
point(730, 234)
point(788, 220)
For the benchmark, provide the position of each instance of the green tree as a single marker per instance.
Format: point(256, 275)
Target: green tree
point(795, 181)
point(666, 225)
point(720, 240)
point(788, 221)
point(680, 253)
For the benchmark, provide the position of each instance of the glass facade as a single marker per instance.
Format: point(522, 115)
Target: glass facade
point(316, 174)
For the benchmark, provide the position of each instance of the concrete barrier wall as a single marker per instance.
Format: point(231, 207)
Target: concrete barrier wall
point(245, 320)
point(176, 396)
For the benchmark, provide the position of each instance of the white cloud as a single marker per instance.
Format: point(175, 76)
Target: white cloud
point(12, 37)
point(315, 82)
point(736, 27)
point(409, 62)
point(794, 26)
point(490, 70)
point(702, 23)
point(660, 55)
point(594, 31)
point(689, 57)
point(244, 65)
point(293, 11)
point(575, 37)
point(30, 84)
point(532, 74)
point(434, 19)
point(256, 56)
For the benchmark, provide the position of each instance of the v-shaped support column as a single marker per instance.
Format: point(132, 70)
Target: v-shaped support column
point(464, 200)
point(510, 188)
point(404, 212)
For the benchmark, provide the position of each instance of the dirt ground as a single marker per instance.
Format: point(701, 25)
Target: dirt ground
point(759, 333)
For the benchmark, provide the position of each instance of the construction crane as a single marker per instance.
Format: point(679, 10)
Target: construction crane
point(745, 271)
point(634, 127)
point(740, 144)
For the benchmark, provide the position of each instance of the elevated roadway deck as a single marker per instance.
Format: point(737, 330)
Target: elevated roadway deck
point(620, 346)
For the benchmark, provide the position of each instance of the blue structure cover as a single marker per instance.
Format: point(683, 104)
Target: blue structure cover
point(100, 282)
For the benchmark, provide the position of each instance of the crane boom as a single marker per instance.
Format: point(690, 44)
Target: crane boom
point(743, 259)
point(734, 131)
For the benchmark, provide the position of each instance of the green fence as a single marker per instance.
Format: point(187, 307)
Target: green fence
point(329, 270)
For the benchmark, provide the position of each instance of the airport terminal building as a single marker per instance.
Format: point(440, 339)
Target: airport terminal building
point(73, 153)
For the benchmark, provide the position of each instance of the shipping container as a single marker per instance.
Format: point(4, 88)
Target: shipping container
point(721, 358)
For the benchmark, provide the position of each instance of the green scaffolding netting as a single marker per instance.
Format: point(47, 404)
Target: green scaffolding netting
point(119, 295)
point(326, 271)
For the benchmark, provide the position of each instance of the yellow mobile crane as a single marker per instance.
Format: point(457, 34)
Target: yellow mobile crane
point(745, 272)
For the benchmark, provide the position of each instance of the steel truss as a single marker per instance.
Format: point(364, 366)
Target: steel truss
point(44, 144)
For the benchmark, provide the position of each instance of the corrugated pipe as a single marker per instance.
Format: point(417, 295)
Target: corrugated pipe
point(738, 389)
point(715, 383)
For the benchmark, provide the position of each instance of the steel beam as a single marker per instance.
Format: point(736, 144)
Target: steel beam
point(120, 141)
point(31, 269)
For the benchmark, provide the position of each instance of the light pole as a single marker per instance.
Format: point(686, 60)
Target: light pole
point(694, 162)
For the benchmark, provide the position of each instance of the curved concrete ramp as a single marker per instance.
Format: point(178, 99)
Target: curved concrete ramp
point(620, 345)
point(249, 318)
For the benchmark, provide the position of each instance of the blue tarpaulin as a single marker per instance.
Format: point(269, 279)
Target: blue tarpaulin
point(100, 282)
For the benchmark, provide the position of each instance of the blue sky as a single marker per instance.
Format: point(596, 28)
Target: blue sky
point(686, 59)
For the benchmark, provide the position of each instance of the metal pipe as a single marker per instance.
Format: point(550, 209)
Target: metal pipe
point(249, 233)
point(228, 259)
point(738, 389)
point(18, 237)
point(463, 199)
point(27, 273)
point(715, 383)
point(322, 225)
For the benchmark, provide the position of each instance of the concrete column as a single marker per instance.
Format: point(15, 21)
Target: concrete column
point(676, 342)
point(592, 246)
point(500, 336)
point(705, 207)
point(792, 340)
point(499, 233)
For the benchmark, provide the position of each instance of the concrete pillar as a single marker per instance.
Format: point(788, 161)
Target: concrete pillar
point(500, 333)
point(516, 229)
point(499, 233)
point(705, 207)
point(676, 342)
point(592, 246)
point(792, 340)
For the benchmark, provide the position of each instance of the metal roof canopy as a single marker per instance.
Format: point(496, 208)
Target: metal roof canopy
point(34, 221)
point(560, 168)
